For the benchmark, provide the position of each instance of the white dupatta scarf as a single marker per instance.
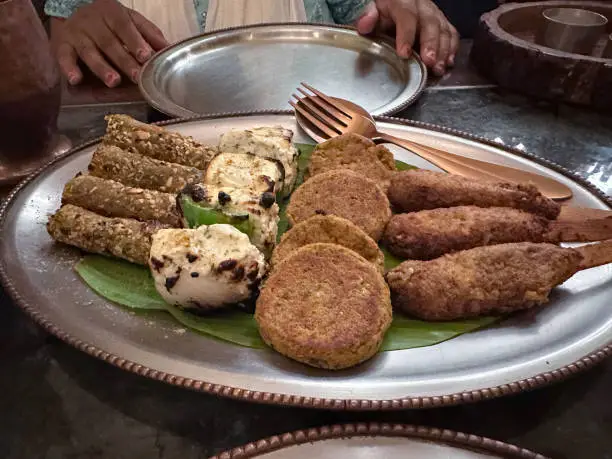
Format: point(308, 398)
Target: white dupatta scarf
point(178, 20)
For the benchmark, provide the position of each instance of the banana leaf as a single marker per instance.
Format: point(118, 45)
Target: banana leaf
point(132, 286)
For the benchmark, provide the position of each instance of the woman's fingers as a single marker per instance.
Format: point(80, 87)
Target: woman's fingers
point(405, 31)
point(67, 61)
point(429, 33)
point(108, 42)
point(108, 38)
point(402, 15)
point(443, 52)
point(368, 20)
point(149, 31)
point(119, 21)
point(91, 56)
point(439, 39)
point(454, 46)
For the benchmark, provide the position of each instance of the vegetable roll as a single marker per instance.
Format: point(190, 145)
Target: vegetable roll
point(119, 237)
point(156, 142)
point(139, 171)
point(112, 199)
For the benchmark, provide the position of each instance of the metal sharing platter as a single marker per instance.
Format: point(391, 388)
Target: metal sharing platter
point(375, 440)
point(257, 67)
point(529, 350)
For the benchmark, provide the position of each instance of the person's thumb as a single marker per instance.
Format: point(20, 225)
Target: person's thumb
point(368, 20)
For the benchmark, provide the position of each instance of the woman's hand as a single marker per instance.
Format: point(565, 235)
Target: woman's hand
point(438, 38)
point(108, 37)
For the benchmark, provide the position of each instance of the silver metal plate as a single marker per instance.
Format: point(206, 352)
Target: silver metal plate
point(39, 274)
point(258, 67)
point(375, 448)
point(374, 440)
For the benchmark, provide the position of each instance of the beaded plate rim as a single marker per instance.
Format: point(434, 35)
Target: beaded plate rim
point(338, 431)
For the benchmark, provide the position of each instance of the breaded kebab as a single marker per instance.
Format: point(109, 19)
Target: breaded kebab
point(415, 190)
point(493, 279)
point(429, 234)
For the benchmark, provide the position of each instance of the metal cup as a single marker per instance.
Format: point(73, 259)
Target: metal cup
point(573, 30)
point(607, 53)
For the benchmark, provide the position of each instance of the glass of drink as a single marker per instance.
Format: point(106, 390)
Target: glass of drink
point(30, 93)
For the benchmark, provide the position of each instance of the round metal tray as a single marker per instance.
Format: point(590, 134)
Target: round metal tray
point(374, 440)
point(257, 67)
point(523, 352)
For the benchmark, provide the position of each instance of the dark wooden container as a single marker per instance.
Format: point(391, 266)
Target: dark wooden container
point(505, 51)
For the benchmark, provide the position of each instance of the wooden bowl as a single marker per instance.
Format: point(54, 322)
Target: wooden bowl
point(505, 51)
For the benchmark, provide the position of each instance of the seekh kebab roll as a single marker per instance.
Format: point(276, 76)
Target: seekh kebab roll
point(131, 169)
point(120, 237)
point(411, 191)
point(112, 199)
point(429, 234)
point(485, 280)
point(156, 142)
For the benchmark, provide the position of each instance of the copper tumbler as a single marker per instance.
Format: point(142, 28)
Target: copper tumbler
point(572, 30)
point(29, 92)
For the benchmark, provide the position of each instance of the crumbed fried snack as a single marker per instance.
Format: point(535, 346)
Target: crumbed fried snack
point(429, 234)
point(324, 306)
point(330, 229)
point(356, 153)
point(156, 142)
point(131, 169)
point(343, 193)
point(112, 199)
point(416, 190)
point(120, 237)
point(492, 279)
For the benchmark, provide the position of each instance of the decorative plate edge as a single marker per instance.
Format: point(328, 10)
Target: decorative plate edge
point(537, 381)
point(396, 108)
point(449, 437)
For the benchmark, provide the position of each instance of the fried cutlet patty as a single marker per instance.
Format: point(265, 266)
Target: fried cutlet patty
point(411, 191)
point(429, 234)
point(356, 153)
point(330, 229)
point(324, 306)
point(343, 193)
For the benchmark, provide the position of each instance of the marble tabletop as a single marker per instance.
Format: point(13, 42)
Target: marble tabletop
point(57, 402)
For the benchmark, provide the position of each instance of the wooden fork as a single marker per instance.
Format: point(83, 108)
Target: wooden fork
point(333, 117)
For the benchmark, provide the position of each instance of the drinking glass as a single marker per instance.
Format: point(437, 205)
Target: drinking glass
point(30, 92)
